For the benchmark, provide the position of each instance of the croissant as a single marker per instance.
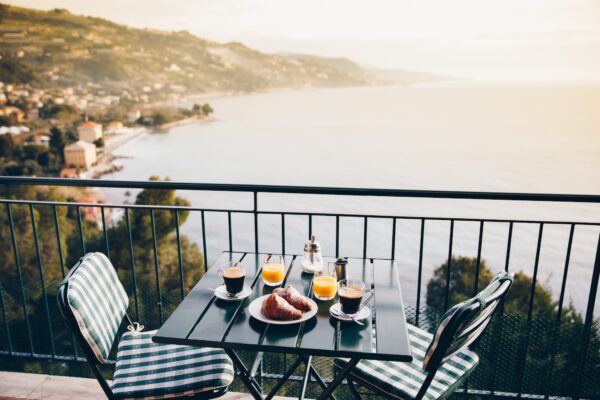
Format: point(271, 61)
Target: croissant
point(275, 307)
point(292, 296)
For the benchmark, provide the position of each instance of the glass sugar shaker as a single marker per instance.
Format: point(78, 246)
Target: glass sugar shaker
point(313, 259)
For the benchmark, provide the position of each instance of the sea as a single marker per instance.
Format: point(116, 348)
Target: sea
point(465, 136)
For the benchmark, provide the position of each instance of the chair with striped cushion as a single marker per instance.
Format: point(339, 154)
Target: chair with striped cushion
point(442, 361)
point(94, 304)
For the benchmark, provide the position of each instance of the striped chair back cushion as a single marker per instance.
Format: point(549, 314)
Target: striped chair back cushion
point(98, 302)
point(465, 322)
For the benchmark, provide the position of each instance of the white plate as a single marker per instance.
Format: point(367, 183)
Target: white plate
point(222, 294)
point(255, 310)
point(335, 309)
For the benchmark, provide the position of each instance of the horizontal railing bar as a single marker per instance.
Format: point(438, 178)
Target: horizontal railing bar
point(298, 213)
point(222, 187)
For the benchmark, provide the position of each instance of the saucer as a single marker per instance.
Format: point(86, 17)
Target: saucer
point(221, 293)
point(336, 309)
point(309, 268)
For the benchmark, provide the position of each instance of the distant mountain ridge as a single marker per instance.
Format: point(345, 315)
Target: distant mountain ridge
point(57, 47)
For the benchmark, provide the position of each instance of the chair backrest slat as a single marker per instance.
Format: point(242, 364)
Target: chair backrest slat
point(464, 323)
point(96, 299)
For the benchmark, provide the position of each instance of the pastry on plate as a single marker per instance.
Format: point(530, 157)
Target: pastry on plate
point(276, 307)
point(292, 296)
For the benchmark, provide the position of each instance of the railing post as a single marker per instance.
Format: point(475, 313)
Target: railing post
point(105, 232)
point(282, 234)
point(5, 320)
point(559, 312)
point(81, 236)
point(255, 210)
point(42, 279)
point(449, 265)
point(132, 259)
point(420, 274)
point(587, 326)
point(20, 276)
point(179, 258)
point(156, 267)
point(204, 241)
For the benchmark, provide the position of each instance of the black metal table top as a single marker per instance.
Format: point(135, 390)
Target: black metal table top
point(203, 320)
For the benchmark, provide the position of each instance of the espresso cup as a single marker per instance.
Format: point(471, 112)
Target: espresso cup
point(351, 293)
point(233, 274)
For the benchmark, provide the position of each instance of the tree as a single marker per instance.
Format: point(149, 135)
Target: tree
point(462, 286)
point(159, 118)
point(143, 237)
point(58, 141)
point(7, 146)
point(3, 10)
point(99, 142)
point(549, 348)
point(207, 109)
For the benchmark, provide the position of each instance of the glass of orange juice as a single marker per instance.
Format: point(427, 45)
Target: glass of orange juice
point(324, 285)
point(273, 270)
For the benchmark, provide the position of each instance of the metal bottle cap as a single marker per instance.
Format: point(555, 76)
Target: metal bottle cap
point(312, 246)
point(342, 261)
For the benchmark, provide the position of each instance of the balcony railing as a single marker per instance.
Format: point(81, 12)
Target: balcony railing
point(544, 343)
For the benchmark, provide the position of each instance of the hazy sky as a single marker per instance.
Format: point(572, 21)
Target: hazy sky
point(483, 39)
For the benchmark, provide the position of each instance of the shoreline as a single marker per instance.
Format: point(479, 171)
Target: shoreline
point(106, 160)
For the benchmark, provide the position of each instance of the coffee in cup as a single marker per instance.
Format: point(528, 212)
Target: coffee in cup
point(351, 293)
point(233, 276)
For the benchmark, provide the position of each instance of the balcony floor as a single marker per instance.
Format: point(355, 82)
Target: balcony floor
point(16, 385)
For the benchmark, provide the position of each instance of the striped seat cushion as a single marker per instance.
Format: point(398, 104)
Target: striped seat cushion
point(148, 370)
point(404, 379)
point(98, 302)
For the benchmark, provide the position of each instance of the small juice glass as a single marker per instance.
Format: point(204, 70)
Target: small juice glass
point(324, 285)
point(273, 270)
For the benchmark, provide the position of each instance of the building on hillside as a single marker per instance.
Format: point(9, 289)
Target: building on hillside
point(80, 154)
point(33, 114)
point(91, 214)
point(133, 115)
point(42, 140)
point(69, 173)
point(89, 131)
point(114, 127)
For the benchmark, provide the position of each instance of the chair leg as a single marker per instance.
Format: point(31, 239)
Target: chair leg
point(425, 386)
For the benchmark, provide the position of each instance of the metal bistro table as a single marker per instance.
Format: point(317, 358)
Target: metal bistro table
point(203, 320)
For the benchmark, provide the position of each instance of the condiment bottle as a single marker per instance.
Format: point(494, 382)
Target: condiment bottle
point(313, 259)
point(341, 268)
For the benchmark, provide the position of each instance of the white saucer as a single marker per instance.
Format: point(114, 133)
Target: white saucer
point(337, 308)
point(305, 267)
point(221, 293)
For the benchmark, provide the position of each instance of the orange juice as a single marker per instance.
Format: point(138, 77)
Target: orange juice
point(324, 287)
point(273, 273)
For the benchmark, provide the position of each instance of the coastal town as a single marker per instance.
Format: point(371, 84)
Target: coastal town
point(70, 132)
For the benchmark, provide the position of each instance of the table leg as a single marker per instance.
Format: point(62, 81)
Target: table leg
point(285, 377)
point(338, 379)
point(320, 381)
point(249, 381)
point(305, 378)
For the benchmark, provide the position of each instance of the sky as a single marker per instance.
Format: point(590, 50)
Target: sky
point(516, 40)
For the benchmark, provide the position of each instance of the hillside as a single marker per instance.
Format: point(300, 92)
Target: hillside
point(59, 48)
